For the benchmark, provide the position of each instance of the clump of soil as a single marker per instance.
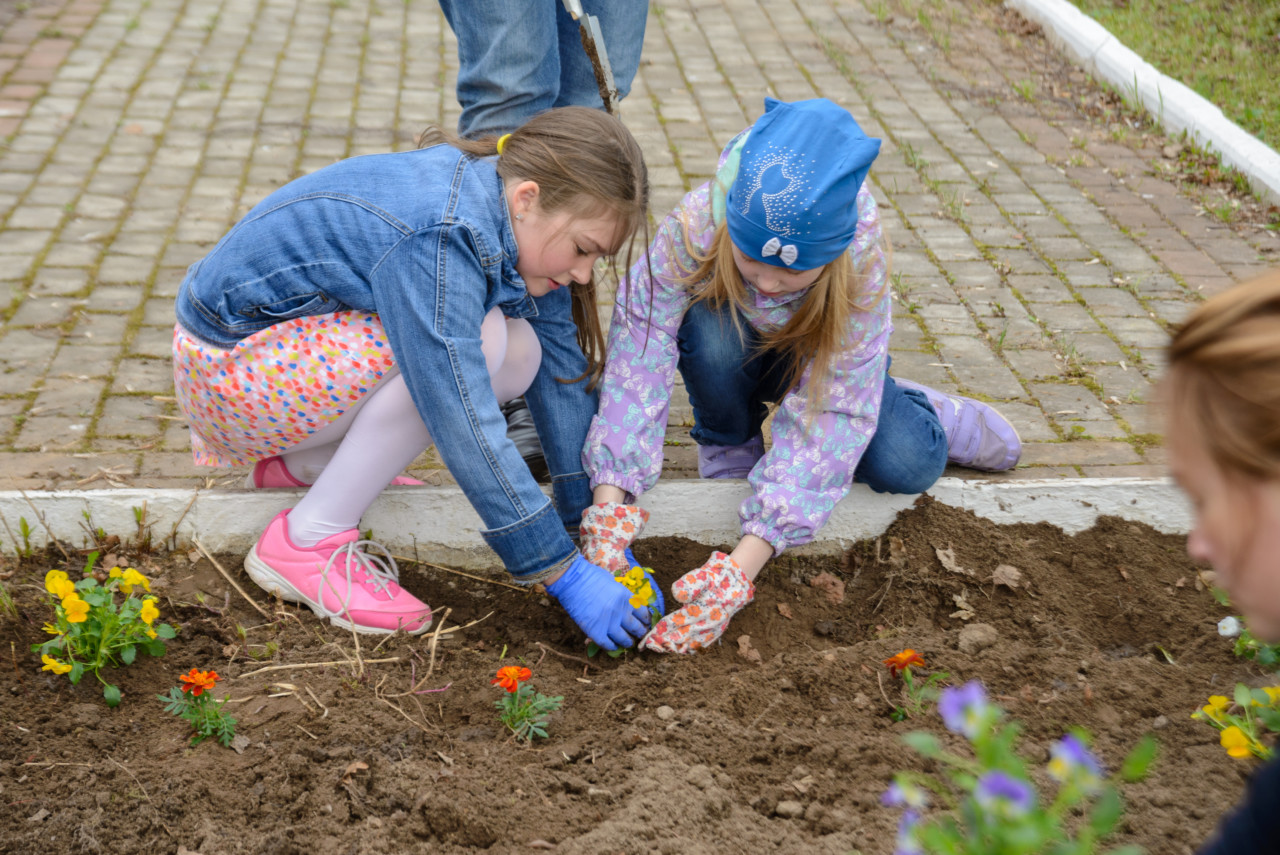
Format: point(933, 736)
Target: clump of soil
point(651, 753)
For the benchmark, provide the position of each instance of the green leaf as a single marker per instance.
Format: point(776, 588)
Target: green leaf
point(592, 648)
point(1260, 698)
point(154, 647)
point(1106, 812)
point(1242, 695)
point(128, 653)
point(112, 694)
point(165, 631)
point(76, 672)
point(1135, 766)
point(924, 743)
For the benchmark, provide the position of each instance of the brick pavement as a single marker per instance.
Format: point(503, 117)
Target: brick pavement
point(1039, 259)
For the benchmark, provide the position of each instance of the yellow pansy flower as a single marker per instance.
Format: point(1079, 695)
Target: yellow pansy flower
point(116, 573)
point(76, 609)
point(151, 633)
point(51, 664)
point(149, 611)
point(131, 579)
point(57, 583)
point(1235, 741)
point(1273, 692)
point(51, 629)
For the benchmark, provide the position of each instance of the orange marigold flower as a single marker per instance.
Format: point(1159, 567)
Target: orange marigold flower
point(510, 677)
point(900, 662)
point(198, 682)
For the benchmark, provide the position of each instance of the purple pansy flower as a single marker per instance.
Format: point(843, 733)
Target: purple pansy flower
point(1003, 795)
point(963, 709)
point(1070, 762)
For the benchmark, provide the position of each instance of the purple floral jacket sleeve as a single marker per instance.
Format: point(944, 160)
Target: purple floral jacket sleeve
point(810, 465)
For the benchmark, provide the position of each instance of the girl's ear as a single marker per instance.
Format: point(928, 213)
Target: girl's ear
point(523, 196)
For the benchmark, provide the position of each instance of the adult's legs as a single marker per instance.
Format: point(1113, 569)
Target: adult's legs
point(622, 24)
point(508, 69)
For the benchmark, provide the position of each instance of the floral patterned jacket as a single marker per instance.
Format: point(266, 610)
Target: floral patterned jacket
point(806, 471)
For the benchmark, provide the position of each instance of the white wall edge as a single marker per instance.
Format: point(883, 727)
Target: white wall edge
point(438, 524)
point(1174, 105)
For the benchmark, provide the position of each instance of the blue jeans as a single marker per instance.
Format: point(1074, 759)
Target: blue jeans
point(730, 381)
point(518, 59)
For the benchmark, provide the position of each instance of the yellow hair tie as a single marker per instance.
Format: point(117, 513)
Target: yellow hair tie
point(502, 142)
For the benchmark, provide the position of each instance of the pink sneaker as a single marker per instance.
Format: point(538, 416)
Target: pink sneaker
point(271, 473)
point(337, 580)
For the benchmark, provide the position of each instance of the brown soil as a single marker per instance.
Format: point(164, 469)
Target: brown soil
point(334, 764)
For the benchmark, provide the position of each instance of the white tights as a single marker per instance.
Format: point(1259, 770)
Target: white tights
point(352, 459)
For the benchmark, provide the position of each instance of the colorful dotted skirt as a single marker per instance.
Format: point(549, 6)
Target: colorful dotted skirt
point(276, 387)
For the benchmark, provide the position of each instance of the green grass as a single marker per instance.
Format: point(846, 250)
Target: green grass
point(1226, 50)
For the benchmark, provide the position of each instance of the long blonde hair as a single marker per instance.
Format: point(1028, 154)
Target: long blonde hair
point(815, 334)
point(1224, 377)
point(584, 162)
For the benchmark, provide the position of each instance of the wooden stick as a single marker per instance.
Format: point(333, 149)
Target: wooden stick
point(521, 588)
point(43, 522)
point(577, 659)
point(198, 545)
point(316, 665)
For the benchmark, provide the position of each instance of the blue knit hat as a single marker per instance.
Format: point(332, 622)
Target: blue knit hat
point(793, 201)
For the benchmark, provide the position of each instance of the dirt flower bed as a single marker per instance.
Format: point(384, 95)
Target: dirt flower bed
point(782, 742)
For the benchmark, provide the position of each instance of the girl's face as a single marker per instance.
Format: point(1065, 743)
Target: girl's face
point(556, 249)
point(773, 281)
point(1237, 529)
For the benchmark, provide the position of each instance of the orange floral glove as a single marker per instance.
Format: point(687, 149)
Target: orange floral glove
point(607, 530)
point(712, 594)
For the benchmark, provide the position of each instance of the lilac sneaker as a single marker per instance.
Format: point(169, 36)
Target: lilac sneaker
point(730, 461)
point(978, 437)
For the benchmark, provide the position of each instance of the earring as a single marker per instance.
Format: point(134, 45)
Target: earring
point(519, 216)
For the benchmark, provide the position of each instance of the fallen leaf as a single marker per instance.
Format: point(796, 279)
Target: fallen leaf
point(803, 785)
point(746, 651)
point(1124, 574)
point(239, 743)
point(897, 552)
point(785, 610)
point(38, 815)
point(964, 611)
point(353, 767)
point(1181, 583)
point(948, 558)
point(829, 585)
point(1007, 575)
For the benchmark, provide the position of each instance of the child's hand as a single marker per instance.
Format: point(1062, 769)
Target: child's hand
point(607, 530)
point(599, 604)
point(712, 594)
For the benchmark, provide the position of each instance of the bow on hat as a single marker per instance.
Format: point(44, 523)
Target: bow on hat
point(786, 254)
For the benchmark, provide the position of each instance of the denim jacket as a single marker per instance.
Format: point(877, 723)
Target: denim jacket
point(424, 239)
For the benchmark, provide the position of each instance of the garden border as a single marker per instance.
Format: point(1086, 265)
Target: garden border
point(1176, 106)
point(438, 524)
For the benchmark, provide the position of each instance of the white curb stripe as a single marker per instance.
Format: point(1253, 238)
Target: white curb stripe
point(439, 523)
point(1174, 105)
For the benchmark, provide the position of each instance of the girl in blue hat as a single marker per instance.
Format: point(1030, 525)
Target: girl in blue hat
point(769, 285)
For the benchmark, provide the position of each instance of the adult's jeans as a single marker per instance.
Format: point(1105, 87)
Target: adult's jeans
point(518, 59)
point(730, 381)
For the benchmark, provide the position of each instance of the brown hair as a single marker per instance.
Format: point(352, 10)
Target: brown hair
point(1224, 377)
point(816, 332)
point(585, 162)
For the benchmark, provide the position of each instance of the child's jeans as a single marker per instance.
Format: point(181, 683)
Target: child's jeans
point(730, 382)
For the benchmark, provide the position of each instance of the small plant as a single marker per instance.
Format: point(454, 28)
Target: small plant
point(1248, 647)
point(8, 608)
point(91, 630)
point(1026, 88)
point(992, 805)
point(202, 710)
point(918, 694)
point(637, 580)
point(24, 529)
point(1240, 720)
point(524, 711)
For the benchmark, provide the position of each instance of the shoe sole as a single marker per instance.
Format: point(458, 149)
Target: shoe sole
point(273, 583)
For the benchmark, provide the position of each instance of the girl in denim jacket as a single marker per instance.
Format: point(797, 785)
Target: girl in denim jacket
point(766, 285)
point(387, 302)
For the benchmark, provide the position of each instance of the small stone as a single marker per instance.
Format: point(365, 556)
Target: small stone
point(977, 636)
point(789, 810)
point(861, 701)
point(599, 794)
point(824, 628)
point(814, 812)
point(1160, 721)
point(665, 713)
point(699, 776)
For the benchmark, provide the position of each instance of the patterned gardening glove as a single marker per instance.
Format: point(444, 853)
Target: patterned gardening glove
point(599, 604)
point(607, 531)
point(712, 594)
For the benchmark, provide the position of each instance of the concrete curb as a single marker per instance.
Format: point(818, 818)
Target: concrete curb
point(1176, 106)
point(438, 524)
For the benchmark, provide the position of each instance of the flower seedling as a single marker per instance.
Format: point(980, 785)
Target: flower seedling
point(194, 702)
point(992, 807)
point(91, 629)
point(1249, 647)
point(919, 693)
point(639, 581)
point(524, 711)
point(1240, 720)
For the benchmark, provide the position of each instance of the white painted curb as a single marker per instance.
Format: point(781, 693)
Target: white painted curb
point(439, 525)
point(1174, 105)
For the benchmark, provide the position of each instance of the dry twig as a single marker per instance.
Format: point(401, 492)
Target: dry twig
point(498, 582)
point(198, 545)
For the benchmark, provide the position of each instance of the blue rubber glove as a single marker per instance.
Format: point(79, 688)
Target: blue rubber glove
point(599, 605)
point(653, 583)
